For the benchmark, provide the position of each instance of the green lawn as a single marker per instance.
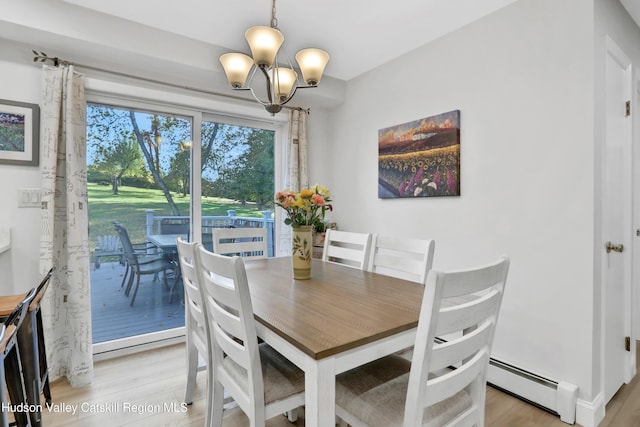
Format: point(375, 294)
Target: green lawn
point(130, 204)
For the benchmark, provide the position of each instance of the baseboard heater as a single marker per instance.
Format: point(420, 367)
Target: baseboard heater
point(558, 397)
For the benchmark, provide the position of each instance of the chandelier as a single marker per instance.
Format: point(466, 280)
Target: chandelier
point(281, 82)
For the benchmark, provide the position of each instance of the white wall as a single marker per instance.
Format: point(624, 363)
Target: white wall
point(523, 81)
point(19, 267)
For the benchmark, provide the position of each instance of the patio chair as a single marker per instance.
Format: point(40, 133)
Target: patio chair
point(141, 248)
point(347, 248)
point(174, 226)
point(248, 243)
point(445, 383)
point(261, 381)
point(140, 265)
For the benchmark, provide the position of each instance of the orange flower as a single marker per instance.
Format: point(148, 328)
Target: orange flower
point(317, 199)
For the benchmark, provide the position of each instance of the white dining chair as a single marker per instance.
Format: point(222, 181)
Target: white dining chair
point(347, 248)
point(249, 242)
point(261, 381)
point(195, 323)
point(402, 257)
point(445, 383)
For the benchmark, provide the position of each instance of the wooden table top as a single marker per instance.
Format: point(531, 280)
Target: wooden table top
point(338, 309)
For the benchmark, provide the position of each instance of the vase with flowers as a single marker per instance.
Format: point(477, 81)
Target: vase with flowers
point(303, 210)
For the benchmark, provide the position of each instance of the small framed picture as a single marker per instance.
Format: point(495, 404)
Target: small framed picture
point(19, 133)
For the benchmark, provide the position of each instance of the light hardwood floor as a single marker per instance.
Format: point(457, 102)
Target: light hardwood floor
point(147, 389)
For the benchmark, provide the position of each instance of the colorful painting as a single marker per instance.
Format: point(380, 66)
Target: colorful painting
point(420, 158)
point(19, 139)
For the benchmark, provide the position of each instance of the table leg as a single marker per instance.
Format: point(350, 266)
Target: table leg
point(320, 393)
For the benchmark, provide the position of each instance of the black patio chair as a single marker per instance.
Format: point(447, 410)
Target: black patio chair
point(142, 264)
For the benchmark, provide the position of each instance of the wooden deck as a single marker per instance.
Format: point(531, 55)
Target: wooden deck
point(114, 318)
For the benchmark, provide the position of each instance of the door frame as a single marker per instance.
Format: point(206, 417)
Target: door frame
point(635, 272)
point(613, 50)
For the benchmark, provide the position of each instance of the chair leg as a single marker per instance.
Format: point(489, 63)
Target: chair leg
point(192, 371)
point(4, 415)
point(15, 386)
point(42, 354)
point(30, 362)
point(135, 291)
point(176, 277)
point(128, 289)
point(126, 271)
point(217, 404)
point(292, 415)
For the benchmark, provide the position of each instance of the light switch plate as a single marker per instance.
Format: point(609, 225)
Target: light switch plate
point(29, 197)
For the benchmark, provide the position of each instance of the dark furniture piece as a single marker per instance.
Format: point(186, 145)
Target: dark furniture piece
point(139, 264)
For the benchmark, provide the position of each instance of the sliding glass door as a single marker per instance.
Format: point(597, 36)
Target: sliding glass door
point(138, 177)
point(237, 178)
point(143, 169)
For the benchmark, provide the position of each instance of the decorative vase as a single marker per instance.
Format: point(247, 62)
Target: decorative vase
point(301, 249)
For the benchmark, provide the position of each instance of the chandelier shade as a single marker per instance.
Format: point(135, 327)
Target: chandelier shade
point(312, 62)
point(281, 81)
point(237, 67)
point(264, 43)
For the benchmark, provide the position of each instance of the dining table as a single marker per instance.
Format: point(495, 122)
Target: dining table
point(339, 319)
point(165, 242)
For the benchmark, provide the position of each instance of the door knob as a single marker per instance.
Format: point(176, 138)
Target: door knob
point(611, 247)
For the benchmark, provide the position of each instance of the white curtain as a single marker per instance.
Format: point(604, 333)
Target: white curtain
point(296, 176)
point(64, 244)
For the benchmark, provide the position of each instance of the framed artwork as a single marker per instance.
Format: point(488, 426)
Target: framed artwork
point(420, 158)
point(19, 133)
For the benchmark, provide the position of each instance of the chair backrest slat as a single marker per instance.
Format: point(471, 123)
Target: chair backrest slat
point(405, 258)
point(449, 353)
point(454, 381)
point(347, 248)
point(468, 314)
point(249, 243)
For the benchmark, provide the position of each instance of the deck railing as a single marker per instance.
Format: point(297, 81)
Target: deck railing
point(221, 221)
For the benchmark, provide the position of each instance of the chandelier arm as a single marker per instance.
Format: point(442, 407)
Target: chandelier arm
point(260, 101)
point(293, 92)
point(269, 83)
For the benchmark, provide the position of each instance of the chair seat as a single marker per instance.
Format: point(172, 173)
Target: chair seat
point(375, 393)
point(153, 264)
point(281, 377)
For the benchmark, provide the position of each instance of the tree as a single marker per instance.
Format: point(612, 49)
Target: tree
point(107, 124)
point(249, 177)
point(121, 158)
point(149, 143)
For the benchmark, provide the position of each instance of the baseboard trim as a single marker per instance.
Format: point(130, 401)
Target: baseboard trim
point(590, 414)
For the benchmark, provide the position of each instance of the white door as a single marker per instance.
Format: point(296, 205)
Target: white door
point(616, 217)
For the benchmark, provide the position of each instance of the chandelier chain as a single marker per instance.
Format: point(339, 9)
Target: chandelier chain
point(274, 20)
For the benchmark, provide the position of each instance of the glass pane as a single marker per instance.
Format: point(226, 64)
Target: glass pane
point(237, 179)
point(138, 176)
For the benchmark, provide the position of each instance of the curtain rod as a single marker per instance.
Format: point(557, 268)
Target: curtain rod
point(43, 57)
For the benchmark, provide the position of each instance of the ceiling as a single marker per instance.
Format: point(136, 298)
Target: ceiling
point(358, 34)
